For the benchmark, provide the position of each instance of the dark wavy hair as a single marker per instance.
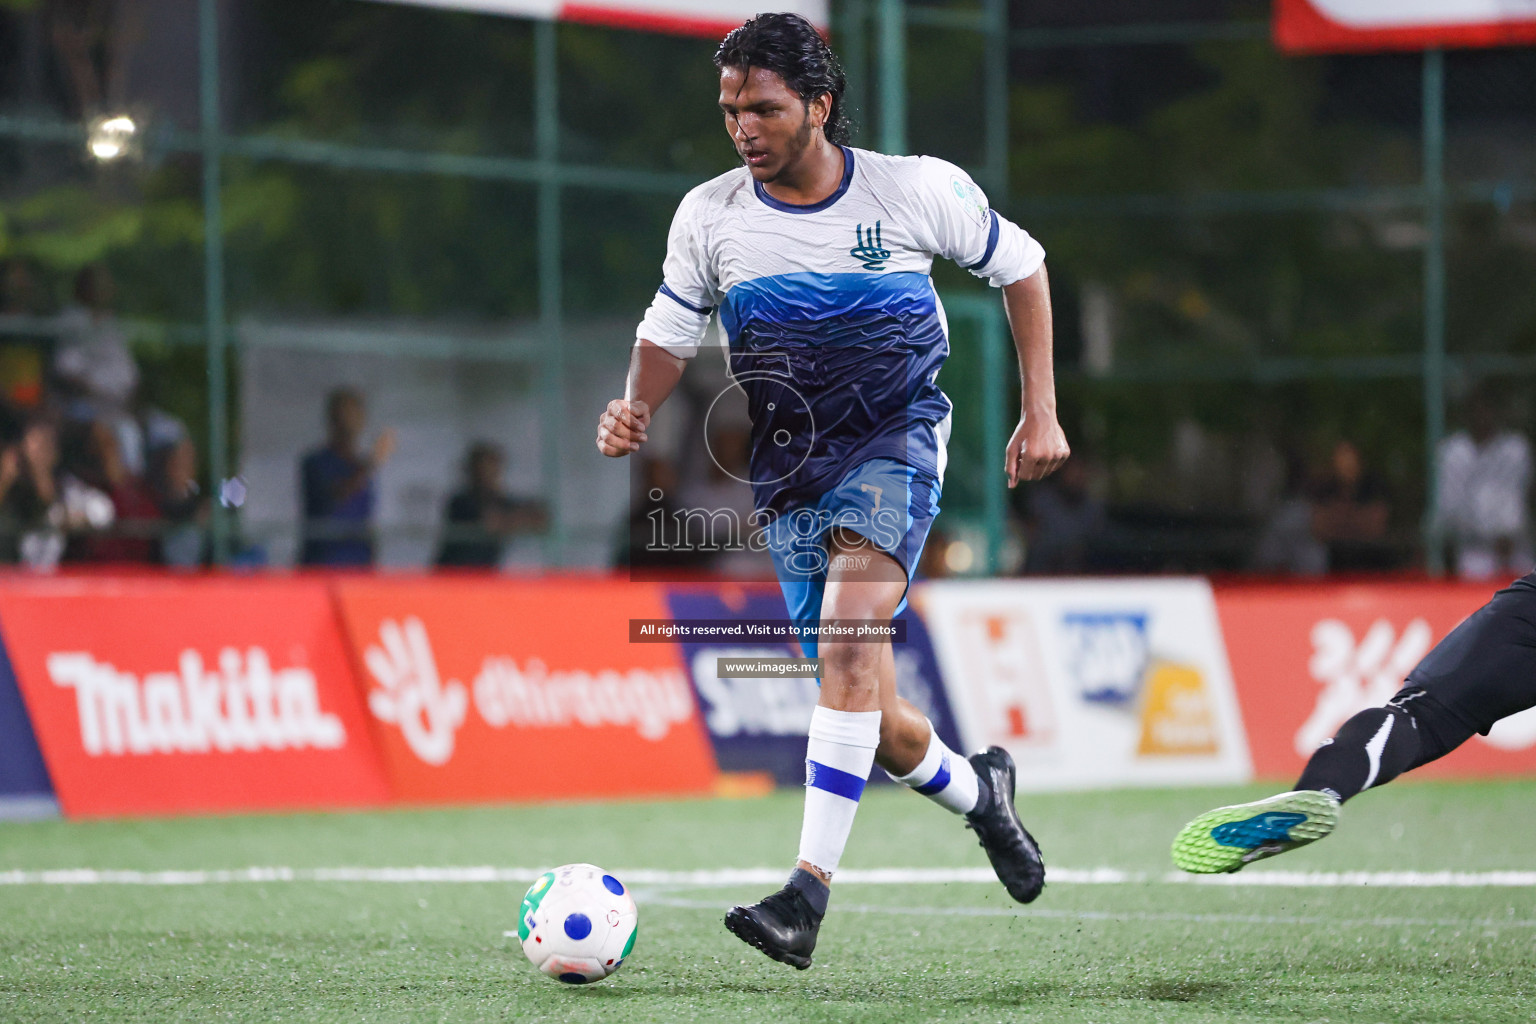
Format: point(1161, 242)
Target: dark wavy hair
point(791, 48)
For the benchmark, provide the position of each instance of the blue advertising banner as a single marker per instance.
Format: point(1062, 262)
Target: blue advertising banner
point(25, 789)
point(759, 724)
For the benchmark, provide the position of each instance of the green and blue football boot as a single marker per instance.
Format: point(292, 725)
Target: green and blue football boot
point(1228, 838)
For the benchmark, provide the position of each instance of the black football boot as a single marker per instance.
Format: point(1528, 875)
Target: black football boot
point(783, 925)
point(1013, 852)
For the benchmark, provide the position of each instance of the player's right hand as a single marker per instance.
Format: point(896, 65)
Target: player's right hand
point(621, 428)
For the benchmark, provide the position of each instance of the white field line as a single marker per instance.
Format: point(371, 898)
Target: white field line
point(918, 913)
point(773, 876)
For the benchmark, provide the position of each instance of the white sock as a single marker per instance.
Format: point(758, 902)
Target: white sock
point(838, 757)
point(944, 777)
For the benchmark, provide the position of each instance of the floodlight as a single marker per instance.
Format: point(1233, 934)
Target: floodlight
point(111, 138)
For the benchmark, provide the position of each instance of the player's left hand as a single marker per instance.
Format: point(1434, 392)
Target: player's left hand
point(1037, 448)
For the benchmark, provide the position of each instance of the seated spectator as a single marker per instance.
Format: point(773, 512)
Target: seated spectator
point(338, 487)
point(654, 540)
point(29, 498)
point(1063, 520)
point(173, 481)
point(933, 563)
point(1350, 514)
point(26, 345)
point(1287, 544)
point(93, 368)
point(1484, 482)
point(40, 505)
point(96, 460)
point(482, 516)
point(717, 509)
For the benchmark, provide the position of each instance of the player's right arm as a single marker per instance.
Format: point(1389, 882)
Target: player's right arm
point(653, 373)
point(667, 338)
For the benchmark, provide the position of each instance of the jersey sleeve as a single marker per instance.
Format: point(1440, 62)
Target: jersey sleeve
point(679, 314)
point(962, 226)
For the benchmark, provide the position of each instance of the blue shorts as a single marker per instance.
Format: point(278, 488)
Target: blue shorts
point(889, 502)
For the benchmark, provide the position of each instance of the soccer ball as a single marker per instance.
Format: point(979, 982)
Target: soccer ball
point(578, 923)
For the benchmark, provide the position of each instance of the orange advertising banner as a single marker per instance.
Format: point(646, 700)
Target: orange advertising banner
point(1307, 657)
point(158, 696)
point(502, 689)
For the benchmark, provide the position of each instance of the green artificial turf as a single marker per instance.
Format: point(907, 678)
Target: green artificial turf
point(1144, 951)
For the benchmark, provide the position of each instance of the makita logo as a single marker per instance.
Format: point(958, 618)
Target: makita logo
point(240, 704)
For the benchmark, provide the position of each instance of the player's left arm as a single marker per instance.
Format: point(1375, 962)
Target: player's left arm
point(1038, 446)
point(957, 222)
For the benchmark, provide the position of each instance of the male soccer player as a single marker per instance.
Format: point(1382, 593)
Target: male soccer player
point(817, 257)
point(1483, 671)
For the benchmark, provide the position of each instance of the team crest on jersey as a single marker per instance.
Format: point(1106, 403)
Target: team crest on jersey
point(971, 199)
point(869, 251)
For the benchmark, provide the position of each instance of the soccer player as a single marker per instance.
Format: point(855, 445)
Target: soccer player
point(1483, 671)
point(817, 257)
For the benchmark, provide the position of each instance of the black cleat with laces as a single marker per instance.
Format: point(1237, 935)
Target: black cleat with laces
point(1013, 852)
point(783, 925)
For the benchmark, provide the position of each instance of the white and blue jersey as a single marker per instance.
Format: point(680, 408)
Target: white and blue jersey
point(835, 331)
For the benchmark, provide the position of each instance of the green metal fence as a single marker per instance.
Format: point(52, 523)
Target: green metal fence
point(885, 44)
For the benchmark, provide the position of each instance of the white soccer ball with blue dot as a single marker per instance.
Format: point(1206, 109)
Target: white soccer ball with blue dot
point(578, 923)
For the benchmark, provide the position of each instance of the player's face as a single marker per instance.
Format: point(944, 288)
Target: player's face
point(768, 122)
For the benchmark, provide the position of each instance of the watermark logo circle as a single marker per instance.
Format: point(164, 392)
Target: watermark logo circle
point(781, 438)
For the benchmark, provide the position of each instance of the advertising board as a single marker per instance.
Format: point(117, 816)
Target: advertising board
point(158, 695)
point(500, 689)
point(1306, 658)
point(1091, 683)
point(759, 724)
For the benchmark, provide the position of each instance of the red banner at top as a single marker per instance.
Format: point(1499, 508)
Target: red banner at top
point(1365, 26)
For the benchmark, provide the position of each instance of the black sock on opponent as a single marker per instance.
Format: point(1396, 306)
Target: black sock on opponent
point(1373, 747)
point(1379, 744)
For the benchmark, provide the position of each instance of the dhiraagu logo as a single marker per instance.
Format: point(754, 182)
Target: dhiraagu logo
point(869, 250)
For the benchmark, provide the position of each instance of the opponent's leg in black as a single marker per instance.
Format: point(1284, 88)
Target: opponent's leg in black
point(1485, 670)
point(1379, 744)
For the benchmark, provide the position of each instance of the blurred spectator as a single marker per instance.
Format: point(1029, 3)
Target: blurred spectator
point(725, 473)
point(1484, 481)
point(1063, 520)
point(173, 481)
point(653, 533)
point(94, 369)
point(30, 498)
point(95, 458)
point(933, 564)
point(337, 482)
point(40, 505)
point(1350, 514)
point(718, 508)
point(18, 288)
point(1287, 543)
point(25, 343)
point(482, 516)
